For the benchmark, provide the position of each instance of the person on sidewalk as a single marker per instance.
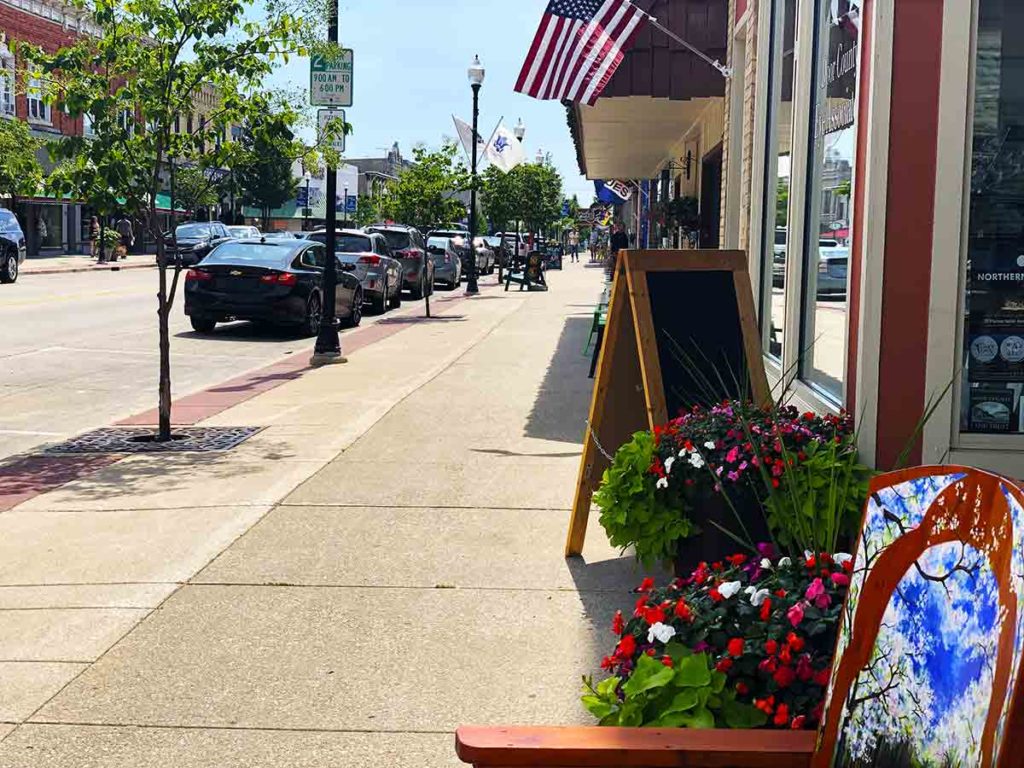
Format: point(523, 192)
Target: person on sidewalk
point(127, 233)
point(94, 236)
point(574, 245)
point(618, 242)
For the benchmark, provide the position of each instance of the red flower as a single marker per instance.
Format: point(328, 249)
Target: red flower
point(769, 665)
point(766, 609)
point(607, 662)
point(646, 585)
point(640, 603)
point(735, 646)
point(771, 647)
point(715, 595)
point(653, 615)
point(804, 672)
point(811, 561)
point(724, 665)
point(765, 705)
point(683, 611)
point(785, 656)
point(780, 593)
point(666, 660)
point(781, 715)
point(626, 647)
point(840, 579)
point(784, 677)
point(795, 642)
point(798, 722)
point(617, 623)
point(742, 688)
point(822, 676)
point(737, 560)
point(848, 565)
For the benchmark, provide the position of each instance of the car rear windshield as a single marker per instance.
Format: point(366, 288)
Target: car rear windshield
point(396, 239)
point(193, 230)
point(345, 243)
point(262, 254)
point(437, 242)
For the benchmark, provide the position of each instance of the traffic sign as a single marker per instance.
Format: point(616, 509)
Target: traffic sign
point(324, 117)
point(330, 80)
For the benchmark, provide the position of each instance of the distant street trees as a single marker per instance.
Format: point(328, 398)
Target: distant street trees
point(20, 172)
point(425, 194)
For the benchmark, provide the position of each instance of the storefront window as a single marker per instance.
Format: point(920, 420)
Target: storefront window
point(50, 226)
point(6, 79)
point(993, 354)
point(829, 195)
point(777, 176)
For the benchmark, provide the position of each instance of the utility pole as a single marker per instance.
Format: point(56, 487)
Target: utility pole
point(328, 342)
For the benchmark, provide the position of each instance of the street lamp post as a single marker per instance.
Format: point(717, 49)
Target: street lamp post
point(328, 342)
point(476, 79)
point(345, 204)
point(520, 133)
point(307, 206)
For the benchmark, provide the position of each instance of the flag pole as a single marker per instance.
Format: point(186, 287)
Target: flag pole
point(724, 70)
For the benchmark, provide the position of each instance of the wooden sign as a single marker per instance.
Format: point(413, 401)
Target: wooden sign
point(528, 273)
point(680, 331)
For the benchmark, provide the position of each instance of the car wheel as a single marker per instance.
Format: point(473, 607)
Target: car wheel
point(395, 300)
point(202, 324)
point(379, 304)
point(311, 324)
point(9, 268)
point(357, 310)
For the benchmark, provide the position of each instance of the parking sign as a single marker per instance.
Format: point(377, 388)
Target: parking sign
point(330, 80)
point(324, 117)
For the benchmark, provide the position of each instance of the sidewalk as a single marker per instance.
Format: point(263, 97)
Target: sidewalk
point(82, 262)
point(380, 564)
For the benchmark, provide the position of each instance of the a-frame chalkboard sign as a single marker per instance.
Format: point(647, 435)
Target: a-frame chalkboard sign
point(680, 326)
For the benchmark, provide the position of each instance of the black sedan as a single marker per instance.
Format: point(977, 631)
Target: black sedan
point(193, 241)
point(275, 281)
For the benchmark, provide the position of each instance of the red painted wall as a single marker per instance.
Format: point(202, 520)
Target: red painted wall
point(21, 26)
point(913, 127)
point(741, 8)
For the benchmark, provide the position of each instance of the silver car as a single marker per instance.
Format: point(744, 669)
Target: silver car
point(242, 231)
point(367, 256)
point(447, 261)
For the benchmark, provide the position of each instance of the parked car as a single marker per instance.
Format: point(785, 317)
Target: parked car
point(367, 256)
point(446, 259)
point(460, 240)
point(12, 246)
point(832, 261)
point(515, 242)
point(407, 245)
point(196, 239)
point(277, 281)
point(501, 250)
point(283, 234)
point(485, 256)
point(243, 230)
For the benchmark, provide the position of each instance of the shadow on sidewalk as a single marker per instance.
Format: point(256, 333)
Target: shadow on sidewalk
point(560, 409)
point(606, 586)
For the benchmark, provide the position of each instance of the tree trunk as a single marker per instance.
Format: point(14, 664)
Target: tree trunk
point(163, 311)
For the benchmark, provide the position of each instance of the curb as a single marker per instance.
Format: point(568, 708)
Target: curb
point(90, 268)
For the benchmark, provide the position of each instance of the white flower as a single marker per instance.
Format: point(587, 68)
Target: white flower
point(696, 460)
point(660, 632)
point(662, 482)
point(759, 597)
point(750, 590)
point(710, 445)
point(842, 557)
point(668, 464)
point(766, 564)
point(729, 588)
point(808, 554)
point(785, 562)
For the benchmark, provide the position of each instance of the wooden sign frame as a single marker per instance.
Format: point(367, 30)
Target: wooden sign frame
point(628, 363)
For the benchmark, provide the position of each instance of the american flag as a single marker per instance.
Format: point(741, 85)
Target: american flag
point(577, 48)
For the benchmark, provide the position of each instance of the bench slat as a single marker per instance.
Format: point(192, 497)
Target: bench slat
point(593, 747)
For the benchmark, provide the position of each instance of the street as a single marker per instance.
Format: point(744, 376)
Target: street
point(80, 351)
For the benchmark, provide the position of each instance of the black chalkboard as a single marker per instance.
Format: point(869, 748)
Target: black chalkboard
point(699, 337)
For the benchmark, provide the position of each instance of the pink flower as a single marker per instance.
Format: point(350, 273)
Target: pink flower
point(840, 579)
point(816, 590)
point(733, 455)
point(795, 614)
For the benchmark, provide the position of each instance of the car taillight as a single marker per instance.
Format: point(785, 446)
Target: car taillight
point(279, 278)
point(409, 254)
point(370, 259)
point(198, 276)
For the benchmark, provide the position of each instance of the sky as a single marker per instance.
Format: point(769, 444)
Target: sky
point(410, 61)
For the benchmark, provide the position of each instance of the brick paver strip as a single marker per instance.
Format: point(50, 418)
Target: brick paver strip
point(28, 477)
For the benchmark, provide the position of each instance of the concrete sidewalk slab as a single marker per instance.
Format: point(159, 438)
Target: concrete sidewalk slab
point(63, 634)
point(86, 596)
point(346, 659)
point(68, 746)
point(154, 545)
point(304, 545)
point(24, 686)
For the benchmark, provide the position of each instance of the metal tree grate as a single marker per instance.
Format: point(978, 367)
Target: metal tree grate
point(134, 440)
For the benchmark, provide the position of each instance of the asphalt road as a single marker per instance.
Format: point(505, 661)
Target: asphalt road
point(79, 351)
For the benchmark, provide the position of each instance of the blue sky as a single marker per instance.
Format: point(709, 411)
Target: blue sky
point(410, 76)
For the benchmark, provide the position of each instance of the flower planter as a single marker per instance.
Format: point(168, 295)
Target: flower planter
point(712, 543)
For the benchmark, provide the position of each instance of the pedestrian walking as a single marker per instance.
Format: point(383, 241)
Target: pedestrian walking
point(574, 244)
point(127, 234)
point(94, 236)
point(619, 241)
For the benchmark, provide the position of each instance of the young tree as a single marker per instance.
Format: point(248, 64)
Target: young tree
point(20, 171)
point(195, 189)
point(264, 172)
point(500, 195)
point(541, 195)
point(134, 78)
point(424, 195)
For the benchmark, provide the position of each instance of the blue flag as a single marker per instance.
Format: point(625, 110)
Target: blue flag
point(612, 191)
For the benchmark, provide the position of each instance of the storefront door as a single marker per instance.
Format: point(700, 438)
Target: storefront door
point(710, 197)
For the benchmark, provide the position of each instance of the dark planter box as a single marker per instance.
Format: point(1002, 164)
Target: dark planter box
point(712, 543)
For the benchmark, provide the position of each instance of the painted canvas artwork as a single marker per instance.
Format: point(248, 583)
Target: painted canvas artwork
point(930, 645)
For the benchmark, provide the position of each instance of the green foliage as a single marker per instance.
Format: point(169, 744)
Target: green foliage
point(500, 196)
point(685, 693)
point(540, 201)
point(193, 188)
point(782, 203)
point(263, 171)
point(423, 195)
point(634, 511)
point(819, 499)
point(367, 211)
point(20, 172)
point(111, 238)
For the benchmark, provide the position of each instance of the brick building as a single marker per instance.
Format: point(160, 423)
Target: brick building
point(51, 226)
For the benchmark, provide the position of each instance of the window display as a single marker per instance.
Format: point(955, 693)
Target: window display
point(993, 353)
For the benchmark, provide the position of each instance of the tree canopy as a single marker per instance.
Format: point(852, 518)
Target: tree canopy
point(424, 194)
point(263, 171)
point(20, 172)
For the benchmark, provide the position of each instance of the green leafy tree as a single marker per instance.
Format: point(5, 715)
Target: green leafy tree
point(500, 197)
point(264, 171)
point(195, 189)
point(782, 203)
point(367, 211)
point(424, 194)
point(20, 172)
point(143, 69)
point(540, 201)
